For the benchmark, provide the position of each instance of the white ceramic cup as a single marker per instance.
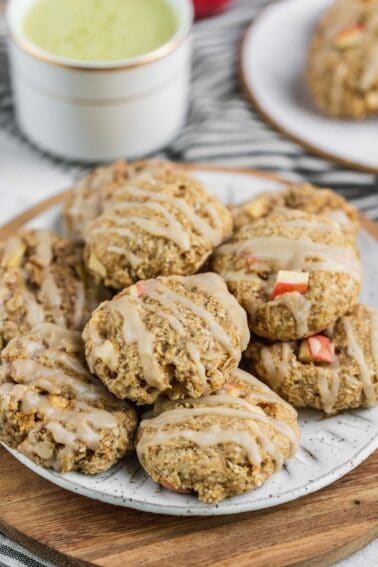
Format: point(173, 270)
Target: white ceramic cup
point(99, 111)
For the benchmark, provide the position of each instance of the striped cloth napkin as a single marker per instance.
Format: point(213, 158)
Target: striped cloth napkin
point(221, 128)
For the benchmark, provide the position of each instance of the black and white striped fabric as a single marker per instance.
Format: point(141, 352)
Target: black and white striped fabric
point(222, 128)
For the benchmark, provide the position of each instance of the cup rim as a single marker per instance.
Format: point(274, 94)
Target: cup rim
point(182, 33)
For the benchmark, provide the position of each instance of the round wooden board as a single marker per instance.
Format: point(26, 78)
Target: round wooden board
point(72, 530)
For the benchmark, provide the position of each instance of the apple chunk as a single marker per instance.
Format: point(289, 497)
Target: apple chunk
point(349, 36)
point(290, 281)
point(317, 348)
point(170, 486)
point(257, 208)
point(137, 290)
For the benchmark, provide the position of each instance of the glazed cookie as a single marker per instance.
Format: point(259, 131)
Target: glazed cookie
point(42, 278)
point(304, 197)
point(87, 198)
point(220, 445)
point(179, 335)
point(342, 69)
point(295, 273)
point(161, 224)
point(53, 411)
point(332, 372)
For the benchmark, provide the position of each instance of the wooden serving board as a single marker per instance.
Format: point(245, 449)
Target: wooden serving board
point(72, 530)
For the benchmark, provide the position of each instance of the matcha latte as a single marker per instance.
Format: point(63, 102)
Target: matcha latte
point(99, 30)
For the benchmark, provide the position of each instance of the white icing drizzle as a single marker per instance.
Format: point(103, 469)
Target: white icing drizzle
point(44, 252)
point(338, 84)
point(356, 352)
point(300, 254)
point(78, 313)
point(34, 312)
point(329, 393)
point(132, 258)
point(33, 346)
point(35, 387)
point(213, 235)
point(70, 427)
point(135, 332)
point(227, 406)
point(369, 75)
point(52, 294)
point(239, 275)
point(54, 380)
point(213, 436)
point(309, 225)
point(299, 307)
point(374, 337)
point(276, 374)
point(201, 370)
point(215, 328)
point(12, 247)
point(176, 319)
point(173, 231)
point(214, 286)
point(58, 337)
point(260, 391)
point(340, 217)
point(90, 193)
point(121, 231)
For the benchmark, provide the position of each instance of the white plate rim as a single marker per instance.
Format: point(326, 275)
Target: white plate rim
point(217, 510)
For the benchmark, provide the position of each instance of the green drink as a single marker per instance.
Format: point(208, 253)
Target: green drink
point(99, 30)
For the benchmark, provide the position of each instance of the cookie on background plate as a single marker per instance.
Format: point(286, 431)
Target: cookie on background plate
point(332, 371)
point(53, 411)
point(178, 335)
point(220, 445)
point(295, 273)
point(342, 61)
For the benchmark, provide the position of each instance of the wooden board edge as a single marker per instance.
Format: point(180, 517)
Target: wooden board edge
point(341, 552)
point(40, 550)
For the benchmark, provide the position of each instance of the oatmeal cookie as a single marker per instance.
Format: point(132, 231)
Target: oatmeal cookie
point(161, 224)
point(334, 371)
point(179, 335)
point(42, 278)
point(53, 411)
point(303, 197)
point(220, 445)
point(295, 273)
point(88, 196)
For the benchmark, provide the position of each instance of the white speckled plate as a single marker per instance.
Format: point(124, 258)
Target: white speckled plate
point(329, 448)
point(272, 66)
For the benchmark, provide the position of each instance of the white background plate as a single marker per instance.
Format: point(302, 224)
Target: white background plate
point(272, 64)
point(329, 448)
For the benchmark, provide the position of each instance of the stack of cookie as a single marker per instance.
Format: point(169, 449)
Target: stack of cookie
point(294, 266)
point(171, 336)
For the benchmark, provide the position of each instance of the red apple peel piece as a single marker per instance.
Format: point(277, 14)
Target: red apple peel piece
point(317, 348)
point(287, 282)
point(170, 486)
